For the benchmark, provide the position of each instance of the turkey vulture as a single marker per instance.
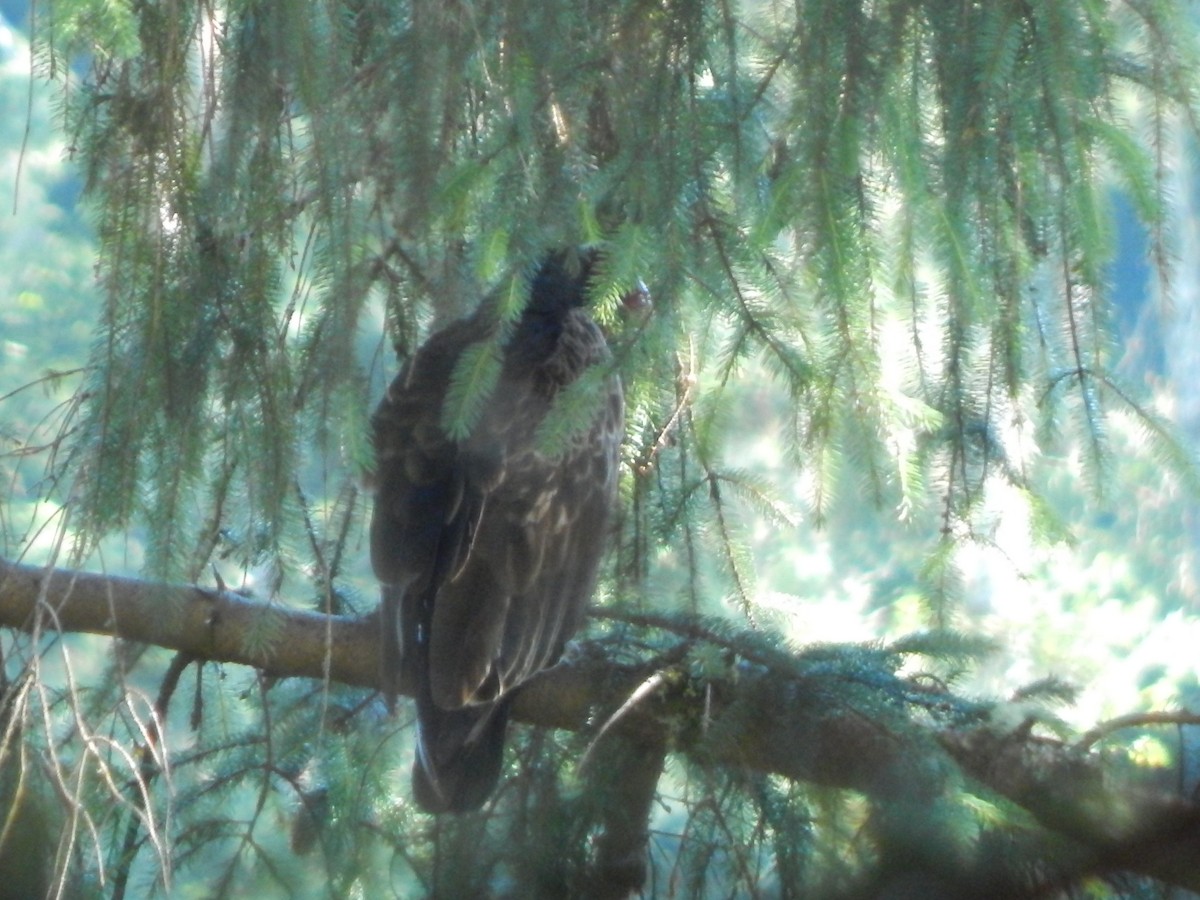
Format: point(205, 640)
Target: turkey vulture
point(487, 546)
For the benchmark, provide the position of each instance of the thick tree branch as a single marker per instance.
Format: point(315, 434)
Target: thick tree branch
point(758, 721)
point(221, 626)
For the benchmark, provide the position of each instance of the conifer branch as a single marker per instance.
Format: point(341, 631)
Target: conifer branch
point(208, 623)
point(757, 720)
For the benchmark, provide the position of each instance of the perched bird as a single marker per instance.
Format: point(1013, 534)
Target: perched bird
point(487, 546)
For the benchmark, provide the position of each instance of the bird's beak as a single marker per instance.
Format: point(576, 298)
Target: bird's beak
point(638, 300)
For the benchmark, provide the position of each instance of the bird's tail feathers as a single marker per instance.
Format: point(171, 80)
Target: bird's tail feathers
point(460, 753)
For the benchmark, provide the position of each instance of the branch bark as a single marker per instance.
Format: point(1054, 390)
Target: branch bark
point(221, 626)
point(757, 721)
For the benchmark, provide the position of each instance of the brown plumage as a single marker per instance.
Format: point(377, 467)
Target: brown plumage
point(487, 548)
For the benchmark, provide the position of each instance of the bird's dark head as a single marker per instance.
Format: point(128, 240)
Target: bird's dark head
point(561, 284)
point(561, 281)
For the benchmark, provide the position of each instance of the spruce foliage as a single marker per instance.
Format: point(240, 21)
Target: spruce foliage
point(892, 212)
